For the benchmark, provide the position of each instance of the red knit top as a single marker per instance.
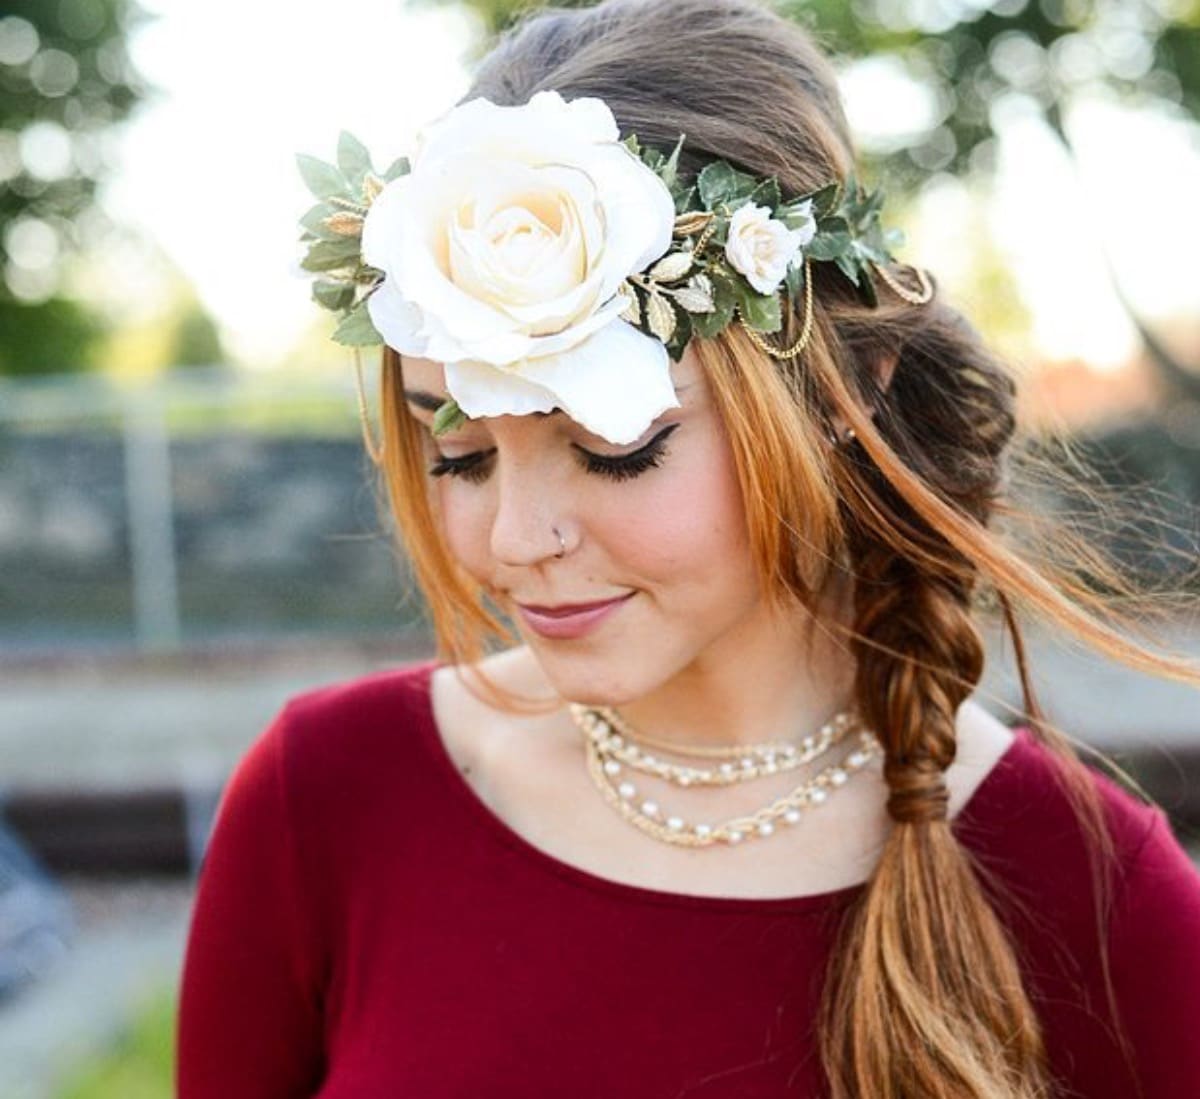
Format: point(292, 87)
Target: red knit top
point(367, 928)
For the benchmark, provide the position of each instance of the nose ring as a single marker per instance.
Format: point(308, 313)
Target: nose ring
point(562, 542)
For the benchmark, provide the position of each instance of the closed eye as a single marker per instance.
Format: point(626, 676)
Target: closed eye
point(476, 466)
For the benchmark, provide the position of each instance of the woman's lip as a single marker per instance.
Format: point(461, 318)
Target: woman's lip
point(569, 620)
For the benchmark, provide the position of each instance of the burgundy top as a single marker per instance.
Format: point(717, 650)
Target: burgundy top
point(367, 928)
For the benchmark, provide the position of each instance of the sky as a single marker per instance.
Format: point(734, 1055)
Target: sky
point(207, 169)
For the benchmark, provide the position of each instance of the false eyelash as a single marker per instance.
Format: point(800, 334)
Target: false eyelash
point(620, 467)
point(623, 467)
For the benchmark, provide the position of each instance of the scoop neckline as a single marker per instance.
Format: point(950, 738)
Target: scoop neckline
point(499, 829)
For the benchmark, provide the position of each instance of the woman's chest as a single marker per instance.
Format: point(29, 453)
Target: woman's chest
point(470, 995)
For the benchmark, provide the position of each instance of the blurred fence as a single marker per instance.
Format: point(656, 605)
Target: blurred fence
point(201, 505)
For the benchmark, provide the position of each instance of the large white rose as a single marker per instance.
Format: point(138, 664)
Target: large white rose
point(761, 247)
point(503, 250)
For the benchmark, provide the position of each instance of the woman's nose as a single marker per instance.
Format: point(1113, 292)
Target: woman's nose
point(529, 516)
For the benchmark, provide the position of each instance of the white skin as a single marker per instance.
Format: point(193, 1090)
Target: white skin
point(696, 653)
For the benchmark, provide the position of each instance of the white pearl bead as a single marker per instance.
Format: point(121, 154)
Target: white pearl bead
point(727, 768)
point(856, 759)
point(747, 764)
point(770, 767)
point(703, 830)
point(766, 828)
point(792, 816)
point(626, 790)
point(650, 808)
point(837, 777)
point(734, 836)
point(612, 767)
point(675, 824)
point(817, 796)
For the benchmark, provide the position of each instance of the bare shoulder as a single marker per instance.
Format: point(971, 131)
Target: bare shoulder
point(982, 741)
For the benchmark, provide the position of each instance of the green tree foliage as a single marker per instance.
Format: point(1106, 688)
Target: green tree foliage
point(65, 81)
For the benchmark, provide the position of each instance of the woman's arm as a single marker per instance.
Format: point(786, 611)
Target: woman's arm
point(250, 1008)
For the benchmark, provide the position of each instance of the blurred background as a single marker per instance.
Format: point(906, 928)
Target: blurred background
point(189, 531)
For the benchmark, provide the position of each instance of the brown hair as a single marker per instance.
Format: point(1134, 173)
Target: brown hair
point(924, 996)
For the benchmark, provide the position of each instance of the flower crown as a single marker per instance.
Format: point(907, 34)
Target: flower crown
point(549, 264)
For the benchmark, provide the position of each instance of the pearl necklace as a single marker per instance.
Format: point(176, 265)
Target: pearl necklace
point(609, 751)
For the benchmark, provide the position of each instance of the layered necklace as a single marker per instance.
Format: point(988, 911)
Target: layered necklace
point(615, 751)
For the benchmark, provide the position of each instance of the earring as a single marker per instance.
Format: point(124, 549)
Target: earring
point(847, 437)
point(562, 543)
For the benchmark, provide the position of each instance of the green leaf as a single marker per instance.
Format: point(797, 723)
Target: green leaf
point(832, 241)
point(633, 145)
point(399, 167)
point(825, 200)
point(669, 172)
point(707, 325)
point(448, 417)
point(717, 182)
point(329, 255)
point(333, 294)
point(794, 280)
point(767, 194)
point(324, 180)
point(684, 200)
point(314, 222)
point(356, 329)
point(760, 311)
point(848, 266)
point(353, 158)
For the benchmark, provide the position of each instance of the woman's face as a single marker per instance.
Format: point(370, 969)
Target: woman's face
point(652, 577)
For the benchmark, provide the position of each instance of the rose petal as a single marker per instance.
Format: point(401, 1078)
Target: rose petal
point(399, 322)
point(484, 390)
point(614, 383)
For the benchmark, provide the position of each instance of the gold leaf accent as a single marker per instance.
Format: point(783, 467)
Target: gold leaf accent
point(372, 185)
point(672, 267)
point(633, 309)
point(344, 224)
point(697, 295)
point(660, 317)
point(689, 224)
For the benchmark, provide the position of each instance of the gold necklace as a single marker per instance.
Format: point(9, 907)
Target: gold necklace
point(620, 744)
point(605, 770)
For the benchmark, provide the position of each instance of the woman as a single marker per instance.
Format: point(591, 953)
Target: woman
point(723, 817)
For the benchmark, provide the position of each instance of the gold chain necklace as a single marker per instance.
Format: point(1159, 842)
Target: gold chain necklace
point(608, 753)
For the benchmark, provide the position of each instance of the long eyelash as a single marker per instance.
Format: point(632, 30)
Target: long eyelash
point(623, 467)
point(471, 467)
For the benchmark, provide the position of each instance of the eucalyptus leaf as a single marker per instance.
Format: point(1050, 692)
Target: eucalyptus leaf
point(356, 329)
point(324, 180)
point(830, 245)
point(333, 294)
point(847, 265)
point(329, 255)
point(399, 167)
point(314, 221)
point(353, 159)
point(448, 417)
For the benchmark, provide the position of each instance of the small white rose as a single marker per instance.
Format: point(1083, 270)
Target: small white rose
point(503, 252)
point(761, 247)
